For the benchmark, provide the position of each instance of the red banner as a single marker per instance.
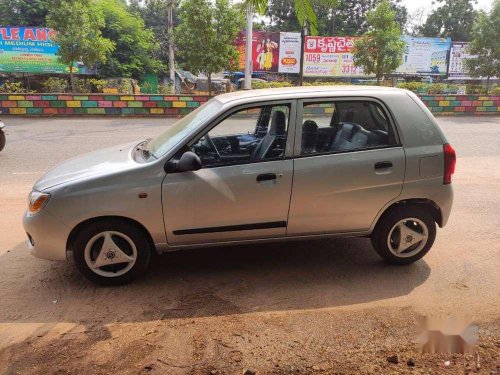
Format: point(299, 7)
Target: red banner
point(326, 44)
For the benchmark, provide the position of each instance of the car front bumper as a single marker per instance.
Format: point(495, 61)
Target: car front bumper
point(47, 236)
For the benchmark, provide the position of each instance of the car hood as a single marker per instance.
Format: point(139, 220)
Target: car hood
point(98, 163)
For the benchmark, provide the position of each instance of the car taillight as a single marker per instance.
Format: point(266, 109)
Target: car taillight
point(450, 160)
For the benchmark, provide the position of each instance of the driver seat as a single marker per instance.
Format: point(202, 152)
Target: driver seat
point(277, 132)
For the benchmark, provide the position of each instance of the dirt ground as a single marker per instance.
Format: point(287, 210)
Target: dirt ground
point(315, 307)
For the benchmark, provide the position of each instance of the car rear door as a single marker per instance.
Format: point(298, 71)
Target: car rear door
point(342, 183)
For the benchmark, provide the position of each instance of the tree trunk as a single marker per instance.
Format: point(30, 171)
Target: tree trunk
point(488, 85)
point(171, 58)
point(209, 75)
point(72, 78)
point(378, 80)
point(248, 48)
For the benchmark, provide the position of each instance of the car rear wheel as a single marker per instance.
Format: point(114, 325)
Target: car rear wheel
point(111, 252)
point(2, 140)
point(404, 235)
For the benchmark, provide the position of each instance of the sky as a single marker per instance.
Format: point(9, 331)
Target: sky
point(412, 5)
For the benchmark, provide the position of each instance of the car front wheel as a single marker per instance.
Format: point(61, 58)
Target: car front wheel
point(111, 252)
point(404, 235)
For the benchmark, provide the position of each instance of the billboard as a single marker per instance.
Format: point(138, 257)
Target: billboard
point(265, 51)
point(425, 56)
point(456, 68)
point(289, 53)
point(31, 50)
point(271, 52)
point(330, 57)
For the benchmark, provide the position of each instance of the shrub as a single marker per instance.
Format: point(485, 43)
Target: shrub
point(326, 83)
point(476, 90)
point(54, 84)
point(417, 87)
point(437, 88)
point(97, 84)
point(271, 84)
point(125, 86)
point(13, 88)
point(165, 89)
point(495, 90)
point(82, 86)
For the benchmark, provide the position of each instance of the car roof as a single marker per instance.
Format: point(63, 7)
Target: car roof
point(306, 91)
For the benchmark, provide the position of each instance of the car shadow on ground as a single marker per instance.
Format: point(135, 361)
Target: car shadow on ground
point(207, 282)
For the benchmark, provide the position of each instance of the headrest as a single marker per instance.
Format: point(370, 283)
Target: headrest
point(309, 126)
point(278, 123)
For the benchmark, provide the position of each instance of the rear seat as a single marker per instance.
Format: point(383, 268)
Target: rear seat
point(350, 136)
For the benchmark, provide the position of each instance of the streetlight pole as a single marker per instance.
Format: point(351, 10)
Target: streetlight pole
point(248, 48)
point(303, 35)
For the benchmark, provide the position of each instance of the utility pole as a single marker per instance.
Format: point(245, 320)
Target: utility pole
point(248, 47)
point(170, 32)
point(303, 34)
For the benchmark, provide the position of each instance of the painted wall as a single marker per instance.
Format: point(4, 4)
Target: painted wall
point(179, 105)
point(111, 105)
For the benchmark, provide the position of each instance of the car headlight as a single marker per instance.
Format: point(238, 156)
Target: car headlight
point(37, 201)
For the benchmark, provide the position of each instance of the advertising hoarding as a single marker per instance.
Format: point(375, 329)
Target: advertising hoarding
point(330, 57)
point(458, 53)
point(271, 52)
point(425, 56)
point(265, 51)
point(289, 53)
point(31, 50)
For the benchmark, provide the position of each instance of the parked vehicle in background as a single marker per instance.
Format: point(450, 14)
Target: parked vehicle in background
point(368, 161)
point(2, 135)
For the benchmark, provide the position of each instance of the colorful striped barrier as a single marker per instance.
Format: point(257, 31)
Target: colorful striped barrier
point(110, 105)
point(180, 105)
point(462, 104)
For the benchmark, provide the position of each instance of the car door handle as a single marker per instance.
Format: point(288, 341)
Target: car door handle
point(383, 165)
point(266, 177)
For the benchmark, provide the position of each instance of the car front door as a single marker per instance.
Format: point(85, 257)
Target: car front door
point(242, 191)
point(349, 164)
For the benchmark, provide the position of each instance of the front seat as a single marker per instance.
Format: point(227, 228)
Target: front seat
point(276, 134)
point(309, 136)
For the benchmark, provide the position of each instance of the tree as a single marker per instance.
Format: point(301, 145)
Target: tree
point(485, 45)
point(346, 18)
point(415, 21)
point(453, 18)
point(155, 15)
point(77, 24)
point(205, 36)
point(136, 47)
point(24, 12)
point(380, 49)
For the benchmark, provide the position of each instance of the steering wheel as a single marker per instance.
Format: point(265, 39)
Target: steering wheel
point(211, 144)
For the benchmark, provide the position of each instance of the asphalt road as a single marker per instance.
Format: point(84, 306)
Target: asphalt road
point(315, 306)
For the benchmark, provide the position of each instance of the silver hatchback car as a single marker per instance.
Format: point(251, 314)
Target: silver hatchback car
point(251, 167)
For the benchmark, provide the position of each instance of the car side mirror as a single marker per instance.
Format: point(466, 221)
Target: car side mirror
point(189, 161)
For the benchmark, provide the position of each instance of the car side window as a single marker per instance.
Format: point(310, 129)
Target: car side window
point(246, 136)
point(341, 126)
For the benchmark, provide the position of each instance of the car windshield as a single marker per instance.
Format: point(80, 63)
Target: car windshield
point(175, 133)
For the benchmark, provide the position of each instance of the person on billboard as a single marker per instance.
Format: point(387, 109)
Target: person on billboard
point(270, 46)
point(261, 54)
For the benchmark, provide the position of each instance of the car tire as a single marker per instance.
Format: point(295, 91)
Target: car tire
point(404, 235)
point(2, 140)
point(111, 252)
